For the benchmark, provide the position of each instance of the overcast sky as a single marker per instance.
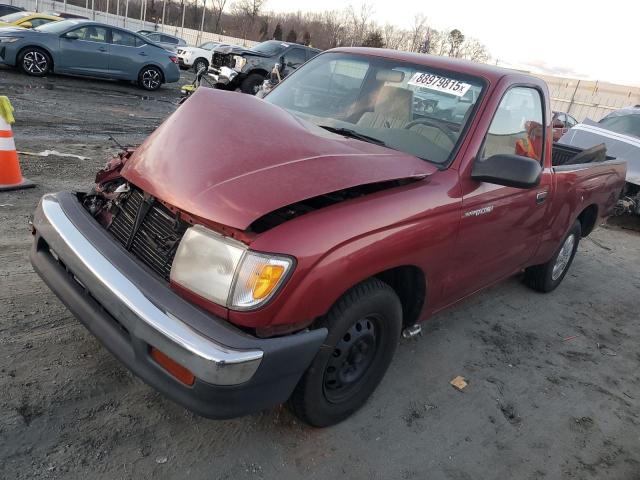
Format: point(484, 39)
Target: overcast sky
point(587, 39)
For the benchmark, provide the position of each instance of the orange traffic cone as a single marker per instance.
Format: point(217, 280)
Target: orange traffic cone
point(10, 175)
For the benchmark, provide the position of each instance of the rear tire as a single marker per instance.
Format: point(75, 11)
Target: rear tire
point(364, 329)
point(547, 277)
point(252, 83)
point(35, 62)
point(150, 78)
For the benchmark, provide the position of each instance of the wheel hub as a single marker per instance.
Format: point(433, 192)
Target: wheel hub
point(562, 260)
point(351, 358)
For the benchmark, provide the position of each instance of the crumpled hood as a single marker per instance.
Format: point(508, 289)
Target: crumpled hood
point(237, 50)
point(231, 158)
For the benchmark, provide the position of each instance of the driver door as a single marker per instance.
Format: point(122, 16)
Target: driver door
point(86, 55)
point(293, 59)
point(501, 227)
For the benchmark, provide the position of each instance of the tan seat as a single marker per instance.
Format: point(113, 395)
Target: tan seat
point(391, 110)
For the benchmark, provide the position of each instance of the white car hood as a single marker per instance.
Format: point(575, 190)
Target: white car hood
point(623, 147)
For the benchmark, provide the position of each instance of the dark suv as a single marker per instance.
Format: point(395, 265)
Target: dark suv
point(235, 67)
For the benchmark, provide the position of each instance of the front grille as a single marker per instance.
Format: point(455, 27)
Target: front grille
point(158, 232)
point(221, 60)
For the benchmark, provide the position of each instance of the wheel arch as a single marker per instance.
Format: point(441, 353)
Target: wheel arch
point(259, 71)
point(410, 284)
point(39, 47)
point(588, 218)
point(200, 57)
point(151, 64)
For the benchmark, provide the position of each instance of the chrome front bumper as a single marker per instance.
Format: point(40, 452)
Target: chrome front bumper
point(223, 75)
point(122, 298)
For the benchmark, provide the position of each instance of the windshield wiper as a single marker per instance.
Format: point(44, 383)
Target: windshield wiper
point(347, 132)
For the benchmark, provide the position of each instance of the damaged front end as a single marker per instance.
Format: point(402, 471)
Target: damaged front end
point(225, 67)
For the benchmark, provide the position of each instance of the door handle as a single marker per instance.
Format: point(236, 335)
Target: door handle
point(541, 196)
point(102, 49)
point(142, 54)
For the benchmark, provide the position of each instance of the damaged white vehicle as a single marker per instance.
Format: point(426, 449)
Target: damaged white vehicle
point(620, 132)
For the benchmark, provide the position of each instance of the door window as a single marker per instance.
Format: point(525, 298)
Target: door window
point(295, 57)
point(517, 125)
point(168, 39)
point(570, 121)
point(36, 22)
point(118, 37)
point(92, 33)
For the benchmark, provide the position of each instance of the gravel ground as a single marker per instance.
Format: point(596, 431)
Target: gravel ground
point(554, 383)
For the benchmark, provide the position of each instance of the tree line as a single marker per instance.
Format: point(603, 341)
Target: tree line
point(350, 26)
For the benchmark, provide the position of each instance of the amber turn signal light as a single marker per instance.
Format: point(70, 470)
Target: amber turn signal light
point(174, 368)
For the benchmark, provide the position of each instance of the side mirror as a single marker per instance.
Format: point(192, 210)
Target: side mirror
point(71, 36)
point(281, 63)
point(508, 170)
point(26, 25)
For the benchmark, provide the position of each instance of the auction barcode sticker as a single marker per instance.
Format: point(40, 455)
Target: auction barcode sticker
point(439, 83)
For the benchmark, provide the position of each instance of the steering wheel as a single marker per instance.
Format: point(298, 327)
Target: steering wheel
point(425, 121)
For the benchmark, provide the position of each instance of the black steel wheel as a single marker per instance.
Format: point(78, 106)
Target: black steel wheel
point(364, 329)
point(350, 360)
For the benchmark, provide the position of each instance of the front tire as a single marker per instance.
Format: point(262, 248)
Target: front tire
point(547, 277)
point(35, 62)
point(364, 330)
point(150, 78)
point(252, 83)
point(199, 64)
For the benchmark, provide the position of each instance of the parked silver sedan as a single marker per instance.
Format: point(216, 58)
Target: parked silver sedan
point(83, 47)
point(169, 42)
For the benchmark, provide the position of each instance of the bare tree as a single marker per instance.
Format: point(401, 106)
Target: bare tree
point(218, 8)
point(360, 20)
point(393, 36)
point(334, 27)
point(418, 32)
point(475, 51)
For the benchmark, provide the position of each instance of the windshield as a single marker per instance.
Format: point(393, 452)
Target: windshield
point(208, 45)
point(56, 27)
point(270, 47)
point(408, 107)
point(625, 124)
point(12, 17)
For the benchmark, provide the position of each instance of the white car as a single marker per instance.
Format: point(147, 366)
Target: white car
point(197, 57)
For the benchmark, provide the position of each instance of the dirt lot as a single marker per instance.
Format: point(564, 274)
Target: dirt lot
point(554, 380)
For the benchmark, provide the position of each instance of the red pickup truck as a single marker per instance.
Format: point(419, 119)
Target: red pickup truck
point(252, 251)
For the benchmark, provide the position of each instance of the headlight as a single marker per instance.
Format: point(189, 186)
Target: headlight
point(9, 39)
point(225, 271)
point(238, 62)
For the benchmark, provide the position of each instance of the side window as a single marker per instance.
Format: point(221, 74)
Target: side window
point(295, 57)
point(92, 33)
point(140, 42)
point(118, 37)
point(36, 22)
point(168, 39)
point(571, 121)
point(154, 37)
point(517, 125)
